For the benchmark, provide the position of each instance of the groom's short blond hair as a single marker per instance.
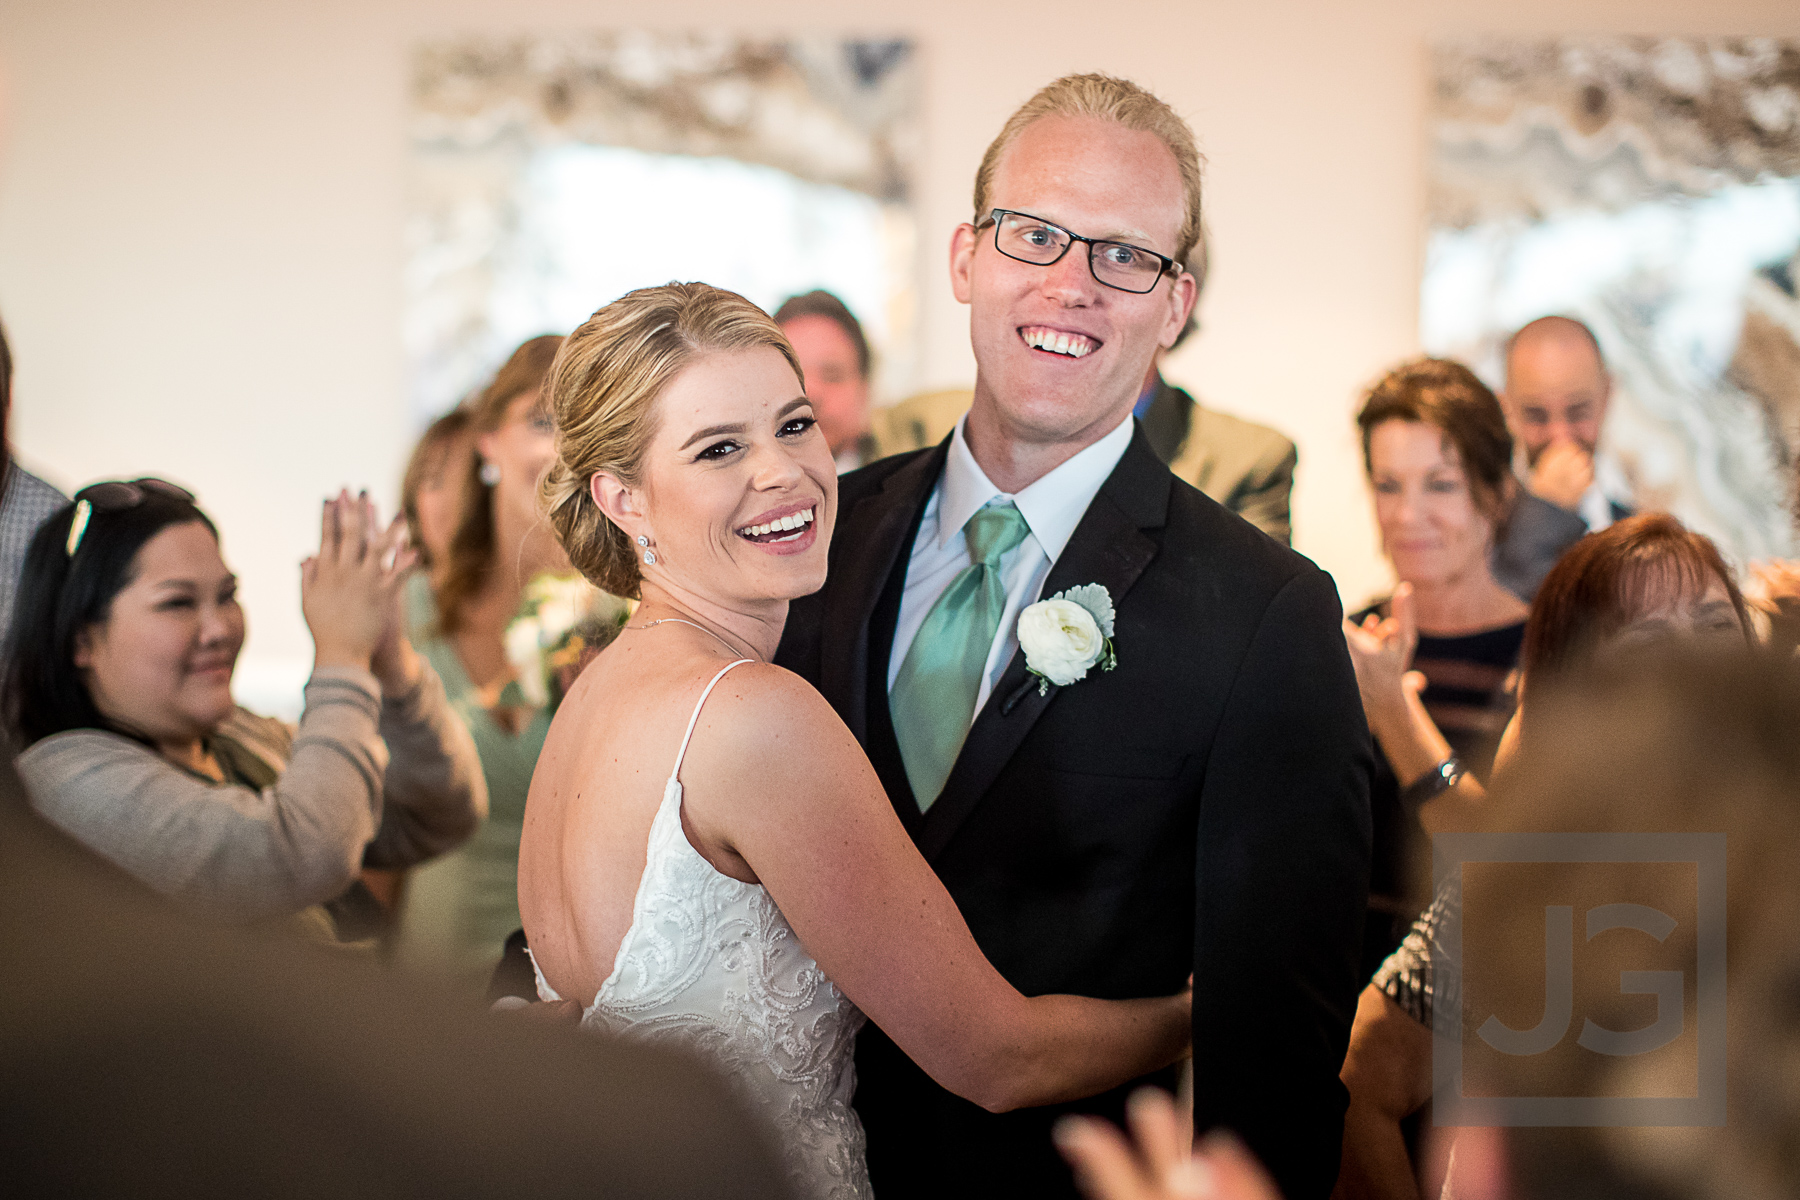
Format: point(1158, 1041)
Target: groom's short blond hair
point(1109, 99)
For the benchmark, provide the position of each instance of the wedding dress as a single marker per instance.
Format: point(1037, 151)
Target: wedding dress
point(710, 965)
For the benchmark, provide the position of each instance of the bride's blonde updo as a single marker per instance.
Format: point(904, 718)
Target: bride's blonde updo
point(602, 391)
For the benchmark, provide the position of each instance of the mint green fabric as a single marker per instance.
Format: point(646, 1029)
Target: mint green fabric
point(933, 699)
point(460, 907)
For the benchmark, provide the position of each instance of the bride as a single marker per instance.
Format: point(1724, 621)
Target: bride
point(708, 857)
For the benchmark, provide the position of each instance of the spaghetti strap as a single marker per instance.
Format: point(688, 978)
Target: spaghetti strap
point(680, 754)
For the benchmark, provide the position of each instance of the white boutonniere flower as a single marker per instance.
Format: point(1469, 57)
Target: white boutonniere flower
point(1068, 635)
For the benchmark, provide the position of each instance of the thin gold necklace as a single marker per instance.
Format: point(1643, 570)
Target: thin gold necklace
point(703, 629)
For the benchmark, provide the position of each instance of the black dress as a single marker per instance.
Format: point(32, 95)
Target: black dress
point(1468, 694)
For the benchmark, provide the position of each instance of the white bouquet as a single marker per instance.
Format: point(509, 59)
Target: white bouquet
point(563, 621)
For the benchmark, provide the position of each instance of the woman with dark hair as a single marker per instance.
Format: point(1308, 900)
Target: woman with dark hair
point(1439, 461)
point(118, 688)
point(1641, 580)
point(457, 913)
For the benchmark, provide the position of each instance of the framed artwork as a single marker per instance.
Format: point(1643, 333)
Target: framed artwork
point(550, 175)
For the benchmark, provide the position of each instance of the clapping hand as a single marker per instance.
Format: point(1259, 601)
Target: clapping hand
point(1156, 1163)
point(1382, 652)
point(1563, 474)
point(350, 589)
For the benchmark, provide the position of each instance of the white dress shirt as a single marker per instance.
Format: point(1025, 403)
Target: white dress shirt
point(1052, 507)
point(1595, 508)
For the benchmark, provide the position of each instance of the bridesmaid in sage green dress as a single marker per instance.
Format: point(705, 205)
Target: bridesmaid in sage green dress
point(457, 912)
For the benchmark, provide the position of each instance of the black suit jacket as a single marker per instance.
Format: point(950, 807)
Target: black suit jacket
point(1202, 808)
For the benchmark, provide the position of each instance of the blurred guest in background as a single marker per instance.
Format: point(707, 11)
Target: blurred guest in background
point(1249, 468)
point(26, 501)
point(920, 421)
point(1557, 389)
point(457, 913)
point(1645, 579)
point(126, 634)
point(1439, 460)
point(834, 357)
point(431, 498)
point(431, 492)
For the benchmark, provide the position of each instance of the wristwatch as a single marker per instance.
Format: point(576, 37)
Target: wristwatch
point(1433, 783)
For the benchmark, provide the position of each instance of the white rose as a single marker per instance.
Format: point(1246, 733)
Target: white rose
point(1061, 640)
point(525, 654)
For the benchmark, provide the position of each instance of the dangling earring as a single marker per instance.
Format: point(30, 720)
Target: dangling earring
point(490, 473)
point(650, 558)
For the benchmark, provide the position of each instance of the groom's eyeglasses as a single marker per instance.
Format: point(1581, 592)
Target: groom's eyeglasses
point(1118, 265)
point(115, 496)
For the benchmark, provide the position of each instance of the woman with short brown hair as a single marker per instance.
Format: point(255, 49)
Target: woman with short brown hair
point(1439, 461)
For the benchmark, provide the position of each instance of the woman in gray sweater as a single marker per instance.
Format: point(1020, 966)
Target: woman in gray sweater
point(118, 688)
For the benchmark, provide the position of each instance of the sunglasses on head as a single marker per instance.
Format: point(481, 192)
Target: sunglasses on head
point(116, 495)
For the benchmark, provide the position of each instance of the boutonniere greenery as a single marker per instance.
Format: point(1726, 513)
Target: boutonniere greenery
point(1068, 635)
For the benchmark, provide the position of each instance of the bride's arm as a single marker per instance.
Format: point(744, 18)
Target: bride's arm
point(775, 781)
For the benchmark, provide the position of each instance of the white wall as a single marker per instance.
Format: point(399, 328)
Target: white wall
point(200, 211)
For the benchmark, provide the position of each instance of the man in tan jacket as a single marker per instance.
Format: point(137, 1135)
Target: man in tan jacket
point(1246, 467)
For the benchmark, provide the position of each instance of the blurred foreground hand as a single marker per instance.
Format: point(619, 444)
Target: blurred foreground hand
point(1156, 1163)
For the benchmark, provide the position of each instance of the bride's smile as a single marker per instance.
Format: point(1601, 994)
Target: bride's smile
point(784, 532)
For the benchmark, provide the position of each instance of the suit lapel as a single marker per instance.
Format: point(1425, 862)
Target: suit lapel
point(867, 545)
point(1110, 548)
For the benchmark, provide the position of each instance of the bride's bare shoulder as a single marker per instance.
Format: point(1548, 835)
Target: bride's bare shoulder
point(766, 715)
point(756, 693)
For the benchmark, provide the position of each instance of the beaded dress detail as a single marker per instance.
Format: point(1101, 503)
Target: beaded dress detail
point(710, 965)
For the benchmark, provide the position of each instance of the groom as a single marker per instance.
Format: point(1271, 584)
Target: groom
point(1203, 806)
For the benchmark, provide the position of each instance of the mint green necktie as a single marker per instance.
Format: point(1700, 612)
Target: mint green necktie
point(933, 698)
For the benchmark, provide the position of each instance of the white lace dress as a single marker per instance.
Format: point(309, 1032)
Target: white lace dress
point(709, 964)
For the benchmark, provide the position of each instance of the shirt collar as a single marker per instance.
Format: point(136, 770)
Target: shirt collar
point(1595, 507)
point(1052, 506)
